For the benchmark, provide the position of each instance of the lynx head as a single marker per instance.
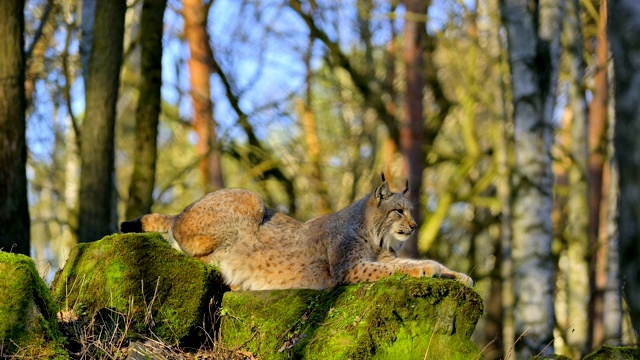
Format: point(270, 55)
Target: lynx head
point(392, 213)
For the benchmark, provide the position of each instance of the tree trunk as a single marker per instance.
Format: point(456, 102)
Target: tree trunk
point(201, 67)
point(612, 298)
point(308, 122)
point(69, 237)
point(597, 201)
point(625, 47)
point(577, 229)
point(504, 189)
point(87, 20)
point(390, 146)
point(97, 137)
point(533, 63)
point(148, 111)
point(14, 207)
point(412, 130)
point(608, 235)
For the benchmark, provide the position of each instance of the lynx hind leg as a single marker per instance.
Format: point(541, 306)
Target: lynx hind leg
point(217, 218)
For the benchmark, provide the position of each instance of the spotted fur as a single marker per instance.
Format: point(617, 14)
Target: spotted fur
point(258, 248)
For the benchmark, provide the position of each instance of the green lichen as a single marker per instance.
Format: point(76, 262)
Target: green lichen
point(28, 326)
point(390, 319)
point(607, 352)
point(162, 289)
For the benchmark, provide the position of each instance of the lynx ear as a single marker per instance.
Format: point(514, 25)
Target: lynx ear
point(406, 187)
point(383, 191)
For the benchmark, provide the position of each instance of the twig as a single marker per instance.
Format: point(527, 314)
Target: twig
point(431, 338)
point(514, 344)
point(40, 30)
point(479, 356)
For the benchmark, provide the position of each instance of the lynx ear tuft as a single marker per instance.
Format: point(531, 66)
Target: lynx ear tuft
point(383, 191)
point(406, 187)
point(383, 180)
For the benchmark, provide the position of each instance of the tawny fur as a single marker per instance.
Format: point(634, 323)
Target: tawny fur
point(258, 248)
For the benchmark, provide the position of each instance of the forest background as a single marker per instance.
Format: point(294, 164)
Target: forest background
point(515, 123)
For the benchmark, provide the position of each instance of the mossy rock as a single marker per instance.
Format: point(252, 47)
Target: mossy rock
point(161, 290)
point(607, 352)
point(395, 318)
point(28, 326)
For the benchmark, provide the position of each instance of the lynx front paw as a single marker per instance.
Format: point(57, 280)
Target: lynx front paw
point(467, 280)
point(432, 270)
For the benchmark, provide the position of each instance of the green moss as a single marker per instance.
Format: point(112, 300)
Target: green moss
point(390, 319)
point(607, 352)
point(28, 325)
point(164, 290)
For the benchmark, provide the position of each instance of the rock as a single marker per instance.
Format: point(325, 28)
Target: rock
point(158, 290)
point(28, 326)
point(395, 318)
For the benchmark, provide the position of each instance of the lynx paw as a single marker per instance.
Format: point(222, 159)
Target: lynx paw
point(432, 270)
point(467, 280)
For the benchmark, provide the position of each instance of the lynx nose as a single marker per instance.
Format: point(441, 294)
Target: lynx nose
point(412, 226)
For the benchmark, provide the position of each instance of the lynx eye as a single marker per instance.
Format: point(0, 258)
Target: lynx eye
point(399, 211)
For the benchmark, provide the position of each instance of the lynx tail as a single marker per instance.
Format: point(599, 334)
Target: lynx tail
point(147, 223)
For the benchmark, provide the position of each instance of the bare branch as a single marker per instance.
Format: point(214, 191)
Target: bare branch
point(38, 35)
point(365, 85)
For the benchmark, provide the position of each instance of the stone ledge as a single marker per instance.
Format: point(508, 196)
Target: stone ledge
point(395, 318)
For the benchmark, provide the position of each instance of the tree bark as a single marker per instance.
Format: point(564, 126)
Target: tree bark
point(148, 111)
point(625, 47)
point(390, 146)
point(97, 137)
point(504, 190)
point(412, 129)
point(598, 124)
point(87, 20)
point(200, 68)
point(608, 236)
point(14, 207)
point(612, 298)
point(577, 229)
point(308, 122)
point(533, 64)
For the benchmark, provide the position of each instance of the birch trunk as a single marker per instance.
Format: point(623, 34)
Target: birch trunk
point(625, 47)
point(533, 60)
point(69, 237)
point(612, 298)
point(577, 230)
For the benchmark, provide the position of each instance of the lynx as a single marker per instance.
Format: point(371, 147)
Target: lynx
point(258, 248)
